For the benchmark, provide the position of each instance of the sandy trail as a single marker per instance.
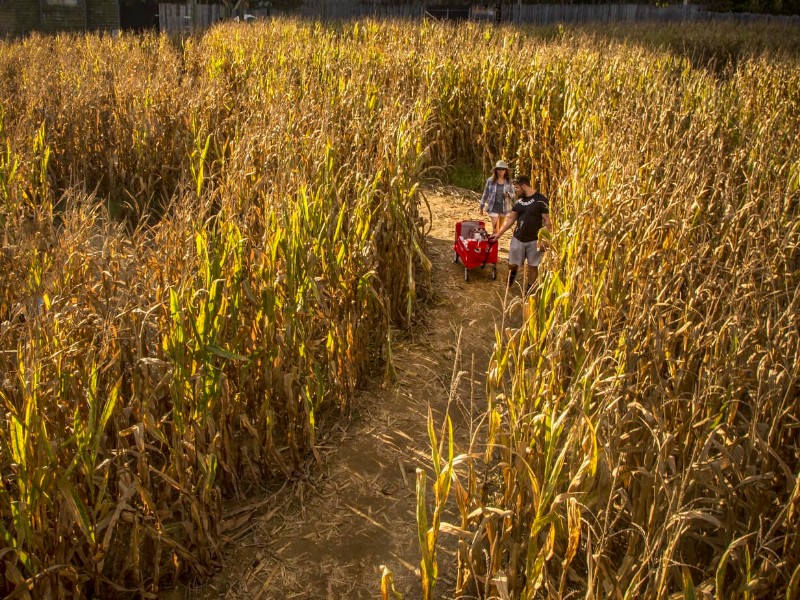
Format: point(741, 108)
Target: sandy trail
point(326, 535)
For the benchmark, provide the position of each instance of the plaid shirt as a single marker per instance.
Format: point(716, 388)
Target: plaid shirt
point(490, 193)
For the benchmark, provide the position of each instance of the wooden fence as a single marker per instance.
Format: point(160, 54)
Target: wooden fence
point(352, 9)
point(177, 18)
point(549, 14)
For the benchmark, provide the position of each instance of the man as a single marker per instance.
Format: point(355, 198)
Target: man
point(531, 212)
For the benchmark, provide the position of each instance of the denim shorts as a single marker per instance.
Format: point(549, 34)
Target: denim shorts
point(519, 251)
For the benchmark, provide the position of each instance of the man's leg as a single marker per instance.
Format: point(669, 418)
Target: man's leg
point(512, 274)
point(533, 259)
point(516, 256)
point(533, 273)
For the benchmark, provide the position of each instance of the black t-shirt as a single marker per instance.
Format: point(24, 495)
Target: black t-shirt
point(530, 215)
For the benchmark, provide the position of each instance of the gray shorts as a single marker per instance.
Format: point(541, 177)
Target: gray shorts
point(519, 251)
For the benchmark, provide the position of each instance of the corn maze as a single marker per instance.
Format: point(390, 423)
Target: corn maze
point(208, 242)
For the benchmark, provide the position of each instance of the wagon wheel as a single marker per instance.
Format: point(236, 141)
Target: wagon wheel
point(466, 274)
point(494, 271)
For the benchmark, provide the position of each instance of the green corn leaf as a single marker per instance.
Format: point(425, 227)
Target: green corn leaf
point(226, 354)
point(77, 509)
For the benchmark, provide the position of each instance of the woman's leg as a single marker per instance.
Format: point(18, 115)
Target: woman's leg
point(495, 224)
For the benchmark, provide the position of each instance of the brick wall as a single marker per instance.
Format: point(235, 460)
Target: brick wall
point(23, 16)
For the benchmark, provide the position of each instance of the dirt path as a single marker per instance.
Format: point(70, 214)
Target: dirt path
point(326, 536)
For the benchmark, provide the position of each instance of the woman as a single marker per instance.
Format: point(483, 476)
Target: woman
point(497, 195)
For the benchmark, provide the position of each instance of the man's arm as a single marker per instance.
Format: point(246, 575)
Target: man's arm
point(544, 244)
point(512, 216)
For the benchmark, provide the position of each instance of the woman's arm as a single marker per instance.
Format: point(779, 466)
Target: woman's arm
point(486, 194)
point(508, 196)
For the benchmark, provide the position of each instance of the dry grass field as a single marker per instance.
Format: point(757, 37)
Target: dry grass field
point(208, 243)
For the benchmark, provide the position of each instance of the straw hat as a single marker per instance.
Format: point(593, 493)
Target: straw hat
point(501, 164)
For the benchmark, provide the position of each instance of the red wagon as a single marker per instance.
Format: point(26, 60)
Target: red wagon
point(473, 248)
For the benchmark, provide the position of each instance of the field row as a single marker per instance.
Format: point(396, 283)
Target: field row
point(207, 243)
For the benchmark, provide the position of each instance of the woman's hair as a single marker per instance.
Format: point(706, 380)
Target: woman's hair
point(494, 175)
